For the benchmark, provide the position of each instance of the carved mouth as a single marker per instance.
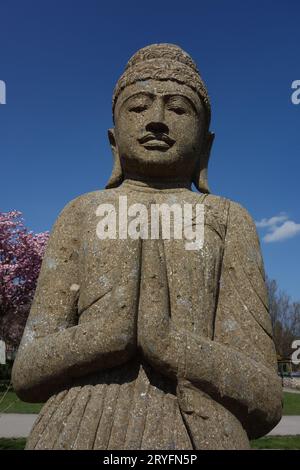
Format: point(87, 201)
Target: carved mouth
point(156, 141)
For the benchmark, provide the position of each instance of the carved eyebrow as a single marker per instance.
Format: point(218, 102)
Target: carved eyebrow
point(141, 94)
point(186, 98)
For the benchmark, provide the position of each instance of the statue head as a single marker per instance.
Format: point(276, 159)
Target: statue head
point(161, 112)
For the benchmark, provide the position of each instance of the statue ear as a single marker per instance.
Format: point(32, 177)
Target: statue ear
point(116, 177)
point(200, 174)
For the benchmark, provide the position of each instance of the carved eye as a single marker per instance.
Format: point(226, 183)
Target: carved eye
point(138, 109)
point(178, 110)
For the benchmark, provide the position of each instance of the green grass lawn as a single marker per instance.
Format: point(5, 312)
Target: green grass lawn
point(12, 444)
point(10, 403)
point(291, 403)
point(277, 442)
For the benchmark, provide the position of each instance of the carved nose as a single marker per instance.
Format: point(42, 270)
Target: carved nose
point(157, 124)
point(157, 127)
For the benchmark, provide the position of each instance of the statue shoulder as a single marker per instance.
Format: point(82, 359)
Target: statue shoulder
point(217, 208)
point(242, 235)
point(241, 218)
point(233, 211)
point(84, 203)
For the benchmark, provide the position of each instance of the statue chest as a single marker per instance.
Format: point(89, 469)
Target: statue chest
point(111, 271)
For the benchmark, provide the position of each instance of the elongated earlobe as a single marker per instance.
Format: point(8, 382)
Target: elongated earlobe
point(200, 175)
point(116, 177)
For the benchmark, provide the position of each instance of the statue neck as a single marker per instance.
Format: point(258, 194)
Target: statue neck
point(155, 185)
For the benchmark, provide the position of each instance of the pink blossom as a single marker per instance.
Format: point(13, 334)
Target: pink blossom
point(21, 253)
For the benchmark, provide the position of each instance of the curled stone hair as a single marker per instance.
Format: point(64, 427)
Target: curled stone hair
point(166, 62)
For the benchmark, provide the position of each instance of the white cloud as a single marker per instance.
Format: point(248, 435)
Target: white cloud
point(287, 230)
point(277, 219)
point(279, 228)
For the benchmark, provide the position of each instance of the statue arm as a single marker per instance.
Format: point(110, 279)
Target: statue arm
point(55, 349)
point(237, 367)
point(243, 327)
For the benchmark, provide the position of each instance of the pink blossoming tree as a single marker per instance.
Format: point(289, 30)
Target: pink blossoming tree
point(21, 253)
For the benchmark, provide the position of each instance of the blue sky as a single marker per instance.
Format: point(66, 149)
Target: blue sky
point(60, 61)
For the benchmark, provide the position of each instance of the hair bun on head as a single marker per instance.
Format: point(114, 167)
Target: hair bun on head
point(162, 51)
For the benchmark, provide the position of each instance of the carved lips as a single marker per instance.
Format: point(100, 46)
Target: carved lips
point(156, 141)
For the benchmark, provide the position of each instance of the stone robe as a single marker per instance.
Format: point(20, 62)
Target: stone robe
point(217, 293)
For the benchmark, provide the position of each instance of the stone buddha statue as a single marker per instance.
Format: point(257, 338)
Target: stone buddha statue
point(139, 343)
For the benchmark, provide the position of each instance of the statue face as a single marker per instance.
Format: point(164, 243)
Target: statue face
point(159, 130)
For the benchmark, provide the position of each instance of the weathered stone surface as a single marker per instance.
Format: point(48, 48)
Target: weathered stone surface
point(140, 343)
